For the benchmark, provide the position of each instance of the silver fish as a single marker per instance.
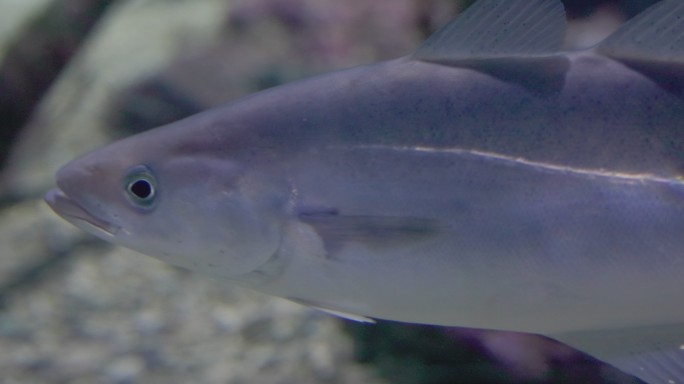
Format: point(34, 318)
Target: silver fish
point(489, 180)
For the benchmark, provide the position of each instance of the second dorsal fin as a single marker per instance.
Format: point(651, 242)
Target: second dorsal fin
point(656, 34)
point(492, 29)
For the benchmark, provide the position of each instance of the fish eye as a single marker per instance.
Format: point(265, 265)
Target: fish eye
point(141, 187)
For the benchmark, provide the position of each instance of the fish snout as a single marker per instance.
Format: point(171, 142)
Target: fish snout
point(73, 212)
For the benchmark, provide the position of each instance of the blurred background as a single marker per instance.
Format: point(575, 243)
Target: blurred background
point(76, 74)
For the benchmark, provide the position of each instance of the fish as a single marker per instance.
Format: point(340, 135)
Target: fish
point(490, 179)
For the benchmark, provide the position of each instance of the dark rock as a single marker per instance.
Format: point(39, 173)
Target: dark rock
point(37, 57)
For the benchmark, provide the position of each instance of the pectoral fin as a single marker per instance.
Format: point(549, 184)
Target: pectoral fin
point(336, 230)
point(344, 315)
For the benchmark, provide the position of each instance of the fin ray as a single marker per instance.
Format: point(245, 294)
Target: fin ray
point(498, 28)
point(656, 34)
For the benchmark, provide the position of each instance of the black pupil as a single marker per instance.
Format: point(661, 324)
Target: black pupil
point(141, 189)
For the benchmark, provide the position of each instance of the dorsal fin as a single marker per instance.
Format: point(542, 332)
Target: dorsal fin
point(656, 34)
point(492, 29)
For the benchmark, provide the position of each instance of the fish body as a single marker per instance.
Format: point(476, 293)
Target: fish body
point(488, 180)
point(482, 203)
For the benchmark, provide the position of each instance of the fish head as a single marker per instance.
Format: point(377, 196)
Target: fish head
point(197, 209)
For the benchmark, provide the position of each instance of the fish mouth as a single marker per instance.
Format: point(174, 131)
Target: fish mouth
point(74, 213)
